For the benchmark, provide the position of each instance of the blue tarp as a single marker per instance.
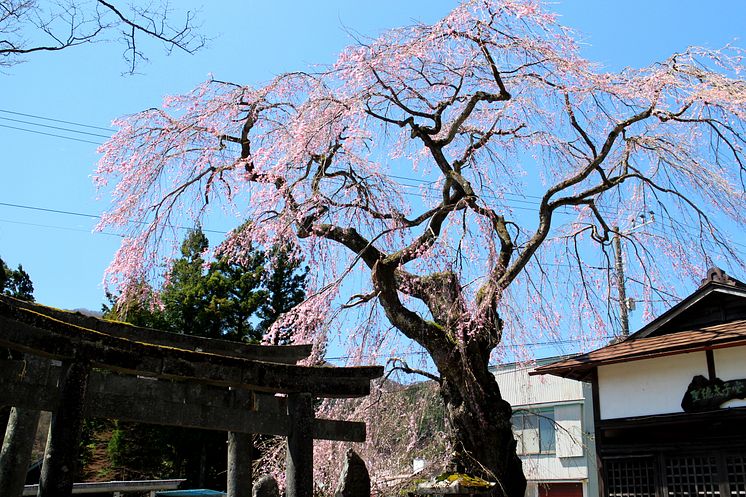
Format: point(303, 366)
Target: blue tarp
point(197, 492)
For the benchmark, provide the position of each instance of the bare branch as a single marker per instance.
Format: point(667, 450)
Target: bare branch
point(31, 26)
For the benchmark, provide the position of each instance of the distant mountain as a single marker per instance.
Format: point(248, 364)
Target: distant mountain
point(88, 312)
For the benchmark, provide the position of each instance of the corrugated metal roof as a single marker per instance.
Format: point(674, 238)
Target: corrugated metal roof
point(728, 334)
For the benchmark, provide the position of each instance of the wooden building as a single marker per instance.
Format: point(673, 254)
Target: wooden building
point(669, 401)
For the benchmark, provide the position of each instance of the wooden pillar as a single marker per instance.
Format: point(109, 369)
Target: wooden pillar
point(240, 448)
point(16, 453)
point(597, 446)
point(61, 455)
point(299, 463)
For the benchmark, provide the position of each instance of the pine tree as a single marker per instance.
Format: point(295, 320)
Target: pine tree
point(16, 283)
point(217, 302)
point(219, 299)
point(285, 286)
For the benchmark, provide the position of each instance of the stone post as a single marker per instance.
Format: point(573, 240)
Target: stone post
point(16, 453)
point(354, 480)
point(18, 443)
point(60, 457)
point(240, 448)
point(299, 464)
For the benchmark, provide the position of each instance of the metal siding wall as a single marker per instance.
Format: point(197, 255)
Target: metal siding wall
point(520, 389)
point(536, 392)
point(570, 440)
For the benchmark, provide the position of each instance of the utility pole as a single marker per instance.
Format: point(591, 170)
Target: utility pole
point(621, 288)
point(624, 303)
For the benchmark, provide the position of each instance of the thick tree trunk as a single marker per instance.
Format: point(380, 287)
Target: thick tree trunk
point(479, 422)
point(477, 416)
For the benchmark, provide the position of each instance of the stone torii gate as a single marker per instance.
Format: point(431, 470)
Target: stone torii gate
point(78, 366)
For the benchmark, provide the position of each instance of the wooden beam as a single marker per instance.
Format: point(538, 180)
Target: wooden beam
point(38, 334)
point(711, 373)
point(288, 354)
point(172, 403)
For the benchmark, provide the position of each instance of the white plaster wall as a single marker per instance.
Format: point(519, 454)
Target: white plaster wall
point(648, 386)
point(730, 363)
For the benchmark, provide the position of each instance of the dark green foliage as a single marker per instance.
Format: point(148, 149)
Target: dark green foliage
point(87, 446)
point(140, 451)
point(217, 302)
point(140, 313)
point(219, 299)
point(16, 283)
point(285, 287)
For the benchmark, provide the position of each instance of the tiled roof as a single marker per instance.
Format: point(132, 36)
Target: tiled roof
point(709, 337)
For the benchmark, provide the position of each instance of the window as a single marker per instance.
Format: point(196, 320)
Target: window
point(711, 474)
point(690, 476)
point(630, 477)
point(736, 467)
point(535, 431)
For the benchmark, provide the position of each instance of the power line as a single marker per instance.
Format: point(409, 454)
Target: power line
point(206, 230)
point(514, 346)
point(60, 128)
point(55, 211)
point(5, 111)
point(65, 228)
point(519, 197)
point(50, 134)
point(428, 184)
point(90, 216)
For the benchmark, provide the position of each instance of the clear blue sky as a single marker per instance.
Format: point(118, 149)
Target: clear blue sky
point(251, 42)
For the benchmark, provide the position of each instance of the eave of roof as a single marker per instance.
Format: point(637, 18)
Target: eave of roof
point(705, 290)
point(709, 337)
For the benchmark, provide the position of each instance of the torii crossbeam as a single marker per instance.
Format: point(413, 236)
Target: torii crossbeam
point(79, 366)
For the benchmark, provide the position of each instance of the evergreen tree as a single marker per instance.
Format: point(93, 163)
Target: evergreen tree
point(217, 302)
point(16, 283)
point(219, 299)
point(285, 286)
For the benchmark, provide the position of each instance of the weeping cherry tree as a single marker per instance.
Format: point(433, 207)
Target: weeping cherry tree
point(529, 162)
